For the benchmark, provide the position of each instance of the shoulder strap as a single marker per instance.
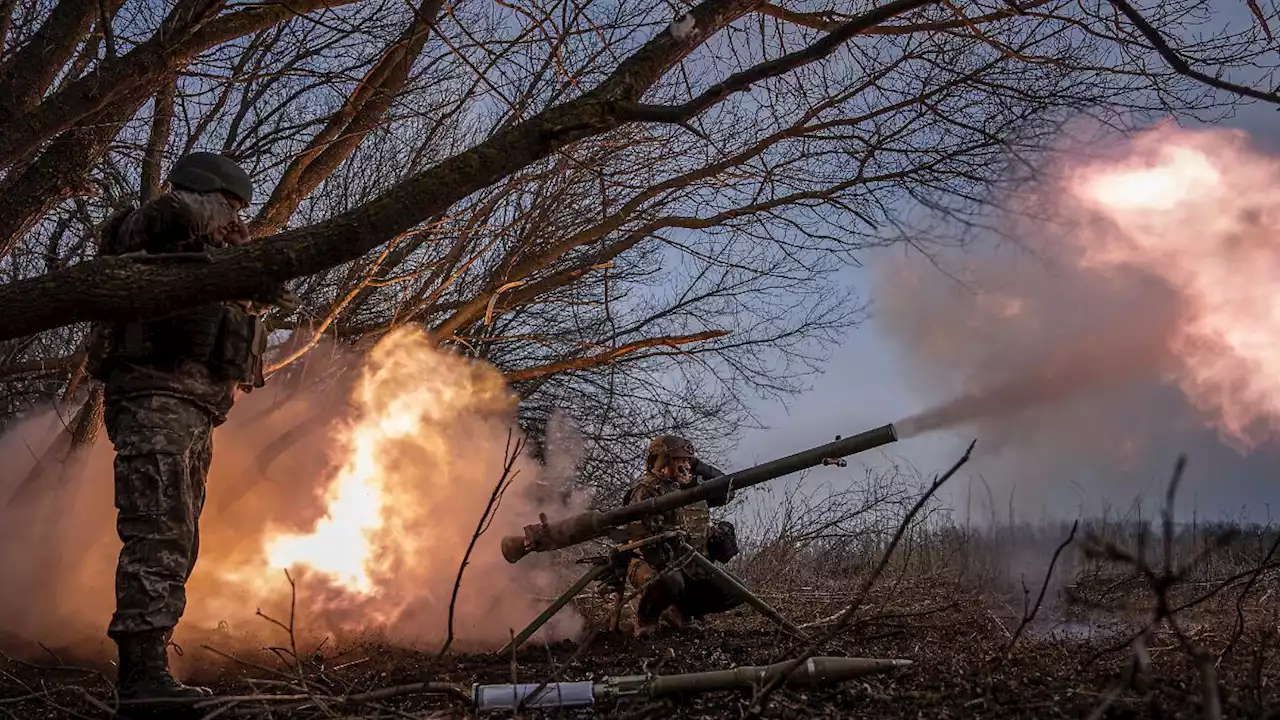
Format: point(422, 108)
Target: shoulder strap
point(631, 491)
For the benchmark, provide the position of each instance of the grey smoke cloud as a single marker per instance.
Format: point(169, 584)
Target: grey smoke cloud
point(1066, 377)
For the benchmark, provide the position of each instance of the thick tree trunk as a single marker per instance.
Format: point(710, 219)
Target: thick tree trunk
point(30, 72)
point(161, 125)
point(118, 288)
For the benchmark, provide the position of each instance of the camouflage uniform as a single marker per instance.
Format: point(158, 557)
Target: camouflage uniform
point(163, 450)
point(689, 590)
point(168, 382)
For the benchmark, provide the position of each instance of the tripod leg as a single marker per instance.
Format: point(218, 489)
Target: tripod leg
point(749, 597)
point(568, 595)
point(615, 615)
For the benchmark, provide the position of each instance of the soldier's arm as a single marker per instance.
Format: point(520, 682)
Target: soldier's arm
point(190, 222)
point(169, 226)
point(653, 523)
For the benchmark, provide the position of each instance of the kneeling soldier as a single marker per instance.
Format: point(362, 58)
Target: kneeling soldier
point(684, 595)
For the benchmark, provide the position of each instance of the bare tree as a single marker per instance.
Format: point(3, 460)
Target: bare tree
point(639, 218)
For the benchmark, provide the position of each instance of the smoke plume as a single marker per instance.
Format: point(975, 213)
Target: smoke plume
point(370, 508)
point(1133, 319)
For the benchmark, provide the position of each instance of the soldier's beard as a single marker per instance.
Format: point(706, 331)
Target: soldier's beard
point(684, 476)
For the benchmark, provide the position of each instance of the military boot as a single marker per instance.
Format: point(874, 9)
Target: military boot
point(644, 627)
point(677, 619)
point(144, 669)
point(673, 617)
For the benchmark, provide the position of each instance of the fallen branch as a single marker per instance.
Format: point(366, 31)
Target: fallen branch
point(1028, 616)
point(1238, 629)
point(1162, 582)
point(846, 617)
point(422, 688)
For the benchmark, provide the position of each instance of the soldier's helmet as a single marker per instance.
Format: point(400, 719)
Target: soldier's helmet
point(206, 172)
point(671, 446)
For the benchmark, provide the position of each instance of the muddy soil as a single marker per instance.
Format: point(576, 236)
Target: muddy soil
point(1061, 667)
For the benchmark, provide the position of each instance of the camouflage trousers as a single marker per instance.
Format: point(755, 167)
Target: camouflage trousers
point(692, 591)
point(163, 450)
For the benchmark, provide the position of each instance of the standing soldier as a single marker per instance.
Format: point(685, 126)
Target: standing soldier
point(685, 595)
point(168, 382)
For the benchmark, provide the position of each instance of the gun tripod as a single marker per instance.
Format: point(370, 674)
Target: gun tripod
point(610, 570)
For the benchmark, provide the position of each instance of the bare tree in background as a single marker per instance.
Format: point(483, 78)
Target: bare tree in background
point(639, 219)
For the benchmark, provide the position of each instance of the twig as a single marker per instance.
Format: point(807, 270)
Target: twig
point(490, 509)
point(1238, 630)
point(888, 616)
point(758, 703)
point(1162, 584)
point(1180, 65)
point(51, 653)
point(386, 693)
point(1137, 665)
point(1257, 13)
point(246, 663)
point(515, 682)
point(1029, 617)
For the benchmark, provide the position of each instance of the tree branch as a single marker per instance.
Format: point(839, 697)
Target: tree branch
point(29, 72)
point(133, 77)
point(117, 288)
point(359, 115)
point(58, 174)
point(828, 22)
point(1029, 615)
point(780, 66)
point(610, 356)
point(1181, 66)
point(490, 510)
point(161, 124)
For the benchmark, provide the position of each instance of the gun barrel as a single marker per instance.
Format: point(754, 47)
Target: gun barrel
point(593, 524)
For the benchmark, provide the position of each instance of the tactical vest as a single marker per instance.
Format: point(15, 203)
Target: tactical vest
point(694, 519)
point(223, 337)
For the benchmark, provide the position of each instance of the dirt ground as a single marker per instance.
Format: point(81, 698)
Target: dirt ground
point(955, 637)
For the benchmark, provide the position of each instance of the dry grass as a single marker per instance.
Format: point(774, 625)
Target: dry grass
point(1135, 621)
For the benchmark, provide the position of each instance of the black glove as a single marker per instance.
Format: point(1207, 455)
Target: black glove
point(658, 556)
point(722, 542)
point(279, 297)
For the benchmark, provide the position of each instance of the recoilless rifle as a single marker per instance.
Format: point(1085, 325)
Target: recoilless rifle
point(593, 524)
point(618, 525)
